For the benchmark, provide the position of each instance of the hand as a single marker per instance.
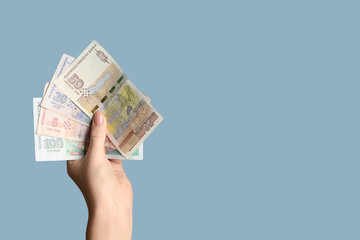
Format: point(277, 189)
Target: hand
point(105, 186)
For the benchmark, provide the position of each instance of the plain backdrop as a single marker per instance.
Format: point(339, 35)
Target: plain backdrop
point(260, 99)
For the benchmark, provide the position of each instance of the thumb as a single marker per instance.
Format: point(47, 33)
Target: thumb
point(97, 136)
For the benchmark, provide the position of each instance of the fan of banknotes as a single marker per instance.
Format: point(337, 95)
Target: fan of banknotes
point(80, 87)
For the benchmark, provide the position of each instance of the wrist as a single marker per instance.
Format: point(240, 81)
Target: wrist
point(110, 221)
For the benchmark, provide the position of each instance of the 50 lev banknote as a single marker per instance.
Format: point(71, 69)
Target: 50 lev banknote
point(94, 81)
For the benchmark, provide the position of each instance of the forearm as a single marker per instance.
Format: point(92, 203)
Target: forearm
point(109, 223)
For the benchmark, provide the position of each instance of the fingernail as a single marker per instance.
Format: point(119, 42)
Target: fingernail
point(98, 119)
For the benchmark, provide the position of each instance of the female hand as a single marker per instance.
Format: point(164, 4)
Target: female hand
point(105, 186)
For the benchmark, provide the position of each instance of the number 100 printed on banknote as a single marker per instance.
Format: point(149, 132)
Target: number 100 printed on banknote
point(55, 149)
point(94, 81)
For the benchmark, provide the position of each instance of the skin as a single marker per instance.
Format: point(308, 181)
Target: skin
point(105, 186)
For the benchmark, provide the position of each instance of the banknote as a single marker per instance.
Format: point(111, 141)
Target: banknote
point(52, 149)
point(94, 81)
point(55, 149)
point(56, 101)
point(55, 125)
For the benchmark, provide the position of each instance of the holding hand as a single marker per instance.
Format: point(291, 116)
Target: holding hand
point(105, 186)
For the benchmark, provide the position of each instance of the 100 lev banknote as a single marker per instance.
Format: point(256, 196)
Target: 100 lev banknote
point(55, 149)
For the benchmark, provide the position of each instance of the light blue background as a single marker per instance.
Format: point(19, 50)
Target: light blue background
point(261, 106)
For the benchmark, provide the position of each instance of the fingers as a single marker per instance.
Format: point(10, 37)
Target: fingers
point(97, 136)
point(117, 163)
point(70, 167)
point(117, 167)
